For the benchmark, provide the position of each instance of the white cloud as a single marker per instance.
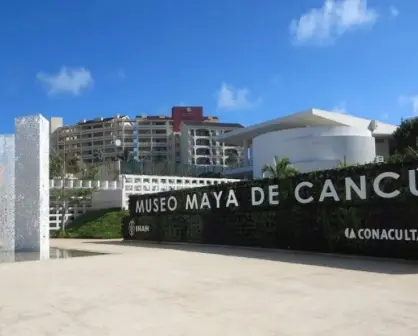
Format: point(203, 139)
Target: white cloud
point(412, 100)
point(333, 19)
point(394, 11)
point(230, 98)
point(340, 108)
point(66, 81)
point(384, 116)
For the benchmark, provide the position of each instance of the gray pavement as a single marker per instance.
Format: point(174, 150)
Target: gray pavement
point(195, 290)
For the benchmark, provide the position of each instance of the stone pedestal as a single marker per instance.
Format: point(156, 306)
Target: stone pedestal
point(7, 194)
point(7, 256)
point(32, 185)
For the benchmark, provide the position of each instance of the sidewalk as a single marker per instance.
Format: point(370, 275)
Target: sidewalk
point(169, 290)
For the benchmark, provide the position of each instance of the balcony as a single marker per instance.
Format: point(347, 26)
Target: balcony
point(202, 142)
point(202, 133)
point(203, 151)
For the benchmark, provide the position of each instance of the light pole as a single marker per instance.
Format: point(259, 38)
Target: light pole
point(63, 200)
point(118, 143)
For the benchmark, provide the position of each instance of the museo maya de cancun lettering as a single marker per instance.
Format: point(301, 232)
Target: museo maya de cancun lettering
point(363, 210)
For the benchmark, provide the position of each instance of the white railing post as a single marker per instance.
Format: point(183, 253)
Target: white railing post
point(128, 185)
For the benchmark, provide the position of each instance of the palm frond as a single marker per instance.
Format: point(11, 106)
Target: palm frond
point(281, 168)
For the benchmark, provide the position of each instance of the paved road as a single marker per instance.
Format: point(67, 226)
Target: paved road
point(183, 291)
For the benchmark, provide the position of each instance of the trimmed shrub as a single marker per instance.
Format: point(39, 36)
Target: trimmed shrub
point(374, 225)
point(95, 224)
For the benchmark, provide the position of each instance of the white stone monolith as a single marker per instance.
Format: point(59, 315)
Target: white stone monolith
point(7, 198)
point(32, 185)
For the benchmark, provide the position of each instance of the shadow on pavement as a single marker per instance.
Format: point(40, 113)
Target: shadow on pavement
point(346, 262)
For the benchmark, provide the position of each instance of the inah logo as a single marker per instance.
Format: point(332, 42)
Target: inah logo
point(382, 234)
point(131, 228)
point(142, 228)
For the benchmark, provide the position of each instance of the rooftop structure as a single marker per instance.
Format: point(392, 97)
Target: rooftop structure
point(312, 139)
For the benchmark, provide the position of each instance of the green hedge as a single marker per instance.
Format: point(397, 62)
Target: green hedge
point(325, 226)
point(96, 224)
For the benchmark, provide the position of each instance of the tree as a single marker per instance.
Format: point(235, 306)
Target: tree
point(407, 154)
point(232, 158)
point(66, 196)
point(61, 165)
point(90, 172)
point(87, 171)
point(343, 164)
point(125, 155)
point(406, 135)
point(55, 165)
point(98, 156)
point(281, 168)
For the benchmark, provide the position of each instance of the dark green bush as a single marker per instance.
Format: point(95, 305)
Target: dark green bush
point(406, 135)
point(317, 226)
point(96, 224)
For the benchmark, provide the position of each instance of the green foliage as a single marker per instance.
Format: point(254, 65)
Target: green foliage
point(90, 172)
point(281, 168)
point(408, 154)
point(96, 224)
point(58, 164)
point(98, 156)
point(232, 158)
point(343, 164)
point(69, 196)
point(126, 155)
point(317, 226)
point(406, 135)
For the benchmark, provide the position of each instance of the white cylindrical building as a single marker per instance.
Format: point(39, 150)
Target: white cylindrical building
point(314, 148)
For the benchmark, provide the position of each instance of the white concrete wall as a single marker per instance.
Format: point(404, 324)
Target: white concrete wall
point(105, 199)
point(115, 194)
point(32, 184)
point(7, 193)
point(314, 148)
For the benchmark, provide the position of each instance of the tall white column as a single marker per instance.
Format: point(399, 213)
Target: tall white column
point(245, 151)
point(32, 185)
point(7, 195)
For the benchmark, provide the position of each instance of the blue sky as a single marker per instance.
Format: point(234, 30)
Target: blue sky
point(243, 60)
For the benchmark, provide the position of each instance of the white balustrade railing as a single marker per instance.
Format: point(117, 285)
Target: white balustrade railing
point(146, 184)
point(78, 184)
point(128, 184)
point(73, 210)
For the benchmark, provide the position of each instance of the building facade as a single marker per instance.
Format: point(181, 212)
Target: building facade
point(311, 140)
point(199, 147)
point(153, 144)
